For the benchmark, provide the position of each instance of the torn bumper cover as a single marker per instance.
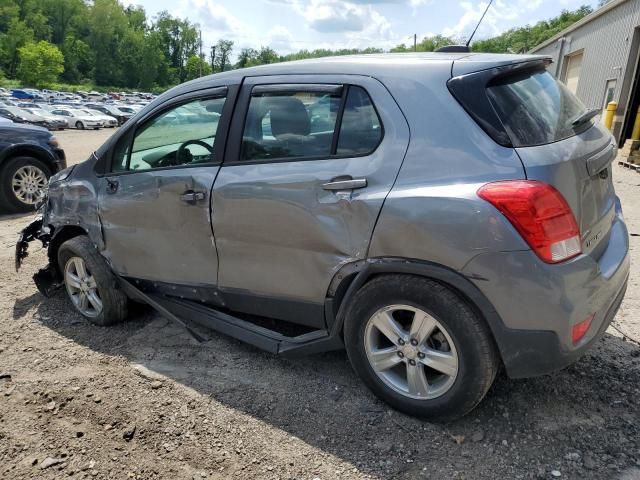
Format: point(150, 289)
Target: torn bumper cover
point(46, 279)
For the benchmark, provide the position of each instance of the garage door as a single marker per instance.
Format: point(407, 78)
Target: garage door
point(572, 73)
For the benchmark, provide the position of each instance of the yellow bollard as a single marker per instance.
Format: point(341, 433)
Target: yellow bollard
point(609, 113)
point(636, 127)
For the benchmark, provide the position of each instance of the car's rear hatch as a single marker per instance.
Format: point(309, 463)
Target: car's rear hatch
point(521, 105)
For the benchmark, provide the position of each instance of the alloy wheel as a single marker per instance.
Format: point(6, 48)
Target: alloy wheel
point(28, 184)
point(82, 287)
point(411, 352)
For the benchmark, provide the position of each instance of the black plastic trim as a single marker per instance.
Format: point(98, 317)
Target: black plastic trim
point(296, 87)
point(470, 91)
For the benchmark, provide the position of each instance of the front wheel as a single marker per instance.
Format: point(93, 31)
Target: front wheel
point(90, 284)
point(79, 125)
point(420, 347)
point(23, 181)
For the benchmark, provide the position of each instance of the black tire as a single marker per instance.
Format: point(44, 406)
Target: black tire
point(8, 200)
point(114, 301)
point(79, 125)
point(478, 360)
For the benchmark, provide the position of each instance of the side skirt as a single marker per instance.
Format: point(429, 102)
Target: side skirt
point(184, 311)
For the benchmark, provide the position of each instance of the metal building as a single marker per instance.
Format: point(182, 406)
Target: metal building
point(597, 58)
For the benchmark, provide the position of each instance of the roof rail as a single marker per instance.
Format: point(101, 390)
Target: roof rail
point(455, 49)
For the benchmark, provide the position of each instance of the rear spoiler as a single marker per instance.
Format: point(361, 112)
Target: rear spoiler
point(470, 91)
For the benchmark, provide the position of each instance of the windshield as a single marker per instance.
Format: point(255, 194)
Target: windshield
point(536, 109)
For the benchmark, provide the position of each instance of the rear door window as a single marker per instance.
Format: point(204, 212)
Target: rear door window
point(290, 124)
point(535, 108)
point(305, 124)
point(361, 130)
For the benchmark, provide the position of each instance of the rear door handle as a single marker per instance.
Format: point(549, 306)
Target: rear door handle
point(192, 197)
point(342, 183)
point(112, 186)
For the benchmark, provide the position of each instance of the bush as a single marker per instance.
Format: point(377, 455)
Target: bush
point(40, 64)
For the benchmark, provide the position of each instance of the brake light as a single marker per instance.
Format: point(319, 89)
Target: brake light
point(580, 329)
point(540, 214)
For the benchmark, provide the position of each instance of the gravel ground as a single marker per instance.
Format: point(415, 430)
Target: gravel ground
point(143, 400)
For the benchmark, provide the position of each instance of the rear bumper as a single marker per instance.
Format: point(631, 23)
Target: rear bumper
point(539, 303)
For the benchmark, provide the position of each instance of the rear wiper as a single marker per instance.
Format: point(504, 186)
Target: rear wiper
point(585, 117)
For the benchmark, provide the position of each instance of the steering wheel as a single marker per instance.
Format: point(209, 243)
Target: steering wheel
point(183, 148)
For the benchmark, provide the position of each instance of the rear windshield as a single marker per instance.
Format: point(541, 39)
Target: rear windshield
point(535, 108)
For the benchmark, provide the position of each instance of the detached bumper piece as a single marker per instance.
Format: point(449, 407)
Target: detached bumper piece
point(46, 279)
point(32, 232)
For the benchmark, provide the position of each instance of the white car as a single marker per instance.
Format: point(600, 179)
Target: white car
point(78, 118)
point(109, 121)
point(59, 121)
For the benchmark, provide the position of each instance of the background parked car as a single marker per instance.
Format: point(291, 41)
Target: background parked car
point(28, 157)
point(22, 94)
point(57, 122)
point(109, 121)
point(110, 110)
point(19, 115)
point(78, 118)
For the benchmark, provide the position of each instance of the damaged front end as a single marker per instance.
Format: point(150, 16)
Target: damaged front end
point(46, 279)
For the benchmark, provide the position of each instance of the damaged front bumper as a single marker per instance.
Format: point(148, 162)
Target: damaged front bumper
point(46, 279)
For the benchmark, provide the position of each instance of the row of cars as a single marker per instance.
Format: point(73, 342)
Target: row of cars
point(58, 116)
point(55, 95)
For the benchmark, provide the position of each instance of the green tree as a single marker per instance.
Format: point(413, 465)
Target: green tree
point(427, 44)
point(17, 36)
point(196, 67)
point(521, 40)
point(40, 64)
point(223, 53)
point(108, 26)
point(78, 60)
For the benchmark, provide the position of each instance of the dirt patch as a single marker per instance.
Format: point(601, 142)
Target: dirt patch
point(143, 400)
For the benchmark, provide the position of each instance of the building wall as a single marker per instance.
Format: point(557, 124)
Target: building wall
point(607, 42)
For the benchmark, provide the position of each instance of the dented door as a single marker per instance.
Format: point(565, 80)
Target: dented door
point(155, 204)
point(151, 233)
point(284, 226)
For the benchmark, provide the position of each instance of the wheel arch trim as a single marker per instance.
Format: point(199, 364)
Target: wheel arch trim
point(31, 150)
point(366, 270)
point(61, 235)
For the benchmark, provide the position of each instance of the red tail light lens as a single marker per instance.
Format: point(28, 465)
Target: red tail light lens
point(580, 329)
point(540, 214)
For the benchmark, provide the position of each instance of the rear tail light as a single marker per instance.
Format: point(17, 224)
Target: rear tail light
point(580, 329)
point(540, 214)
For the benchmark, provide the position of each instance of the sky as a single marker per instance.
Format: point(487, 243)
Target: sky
point(292, 25)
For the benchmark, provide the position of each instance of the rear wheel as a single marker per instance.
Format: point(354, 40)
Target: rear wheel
point(79, 125)
point(90, 284)
point(23, 181)
point(419, 347)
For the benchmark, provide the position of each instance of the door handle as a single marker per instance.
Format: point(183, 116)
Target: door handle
point(112, 186)
point(345, 183)
point(192, 197)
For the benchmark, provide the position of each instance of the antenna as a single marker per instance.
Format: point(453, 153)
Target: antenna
point(481, 18)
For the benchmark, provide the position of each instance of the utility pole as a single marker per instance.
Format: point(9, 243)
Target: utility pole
point(213, 58)
point(201, 56)
point(415, 42)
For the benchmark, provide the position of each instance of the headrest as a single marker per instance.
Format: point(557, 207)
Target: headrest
point(288, 116)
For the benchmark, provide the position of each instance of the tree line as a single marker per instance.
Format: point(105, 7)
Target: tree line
point(106, 44)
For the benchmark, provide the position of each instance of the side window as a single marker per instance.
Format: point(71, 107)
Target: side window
point(291, 124)
point(182, 135)
point(361, 130)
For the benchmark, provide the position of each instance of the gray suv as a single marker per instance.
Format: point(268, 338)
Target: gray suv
point(438, 215)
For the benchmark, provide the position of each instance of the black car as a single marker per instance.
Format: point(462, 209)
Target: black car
point(29, 155)
point(121, 116)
